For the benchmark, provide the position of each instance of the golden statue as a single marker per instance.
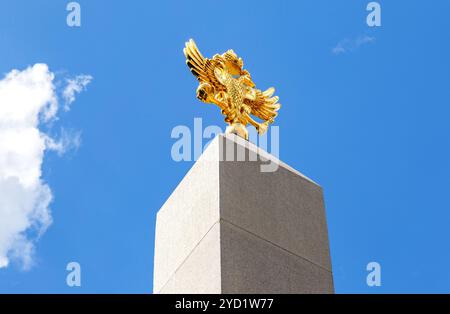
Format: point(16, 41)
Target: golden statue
point(224, 82)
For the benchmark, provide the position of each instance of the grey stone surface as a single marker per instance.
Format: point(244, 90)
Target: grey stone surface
point(279, 206)
point(186, 217)
point(255, 265)
point(200, 272)
point(231, 228)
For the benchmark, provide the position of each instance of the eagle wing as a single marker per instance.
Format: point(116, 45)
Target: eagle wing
point(264, 105)
point(201, 67)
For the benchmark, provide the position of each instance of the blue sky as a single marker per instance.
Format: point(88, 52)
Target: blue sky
point(370, 124)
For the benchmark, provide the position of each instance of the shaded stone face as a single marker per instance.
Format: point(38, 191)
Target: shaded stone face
point(230, 228)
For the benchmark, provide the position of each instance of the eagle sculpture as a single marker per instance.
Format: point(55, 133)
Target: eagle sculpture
point(224, 82)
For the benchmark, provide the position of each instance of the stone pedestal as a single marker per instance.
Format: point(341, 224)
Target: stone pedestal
point(233, 227)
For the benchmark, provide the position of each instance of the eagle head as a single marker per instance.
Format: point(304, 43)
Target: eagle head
point(233, 62)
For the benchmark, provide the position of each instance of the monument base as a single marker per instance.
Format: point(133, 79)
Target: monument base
point(232, 227)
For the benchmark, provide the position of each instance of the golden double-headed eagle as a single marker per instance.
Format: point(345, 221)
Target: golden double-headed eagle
point(224, 82)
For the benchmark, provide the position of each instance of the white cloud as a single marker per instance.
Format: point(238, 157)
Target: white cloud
point(67, 140)
point(349, 45)
point(27, 100)
point(75, 86)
